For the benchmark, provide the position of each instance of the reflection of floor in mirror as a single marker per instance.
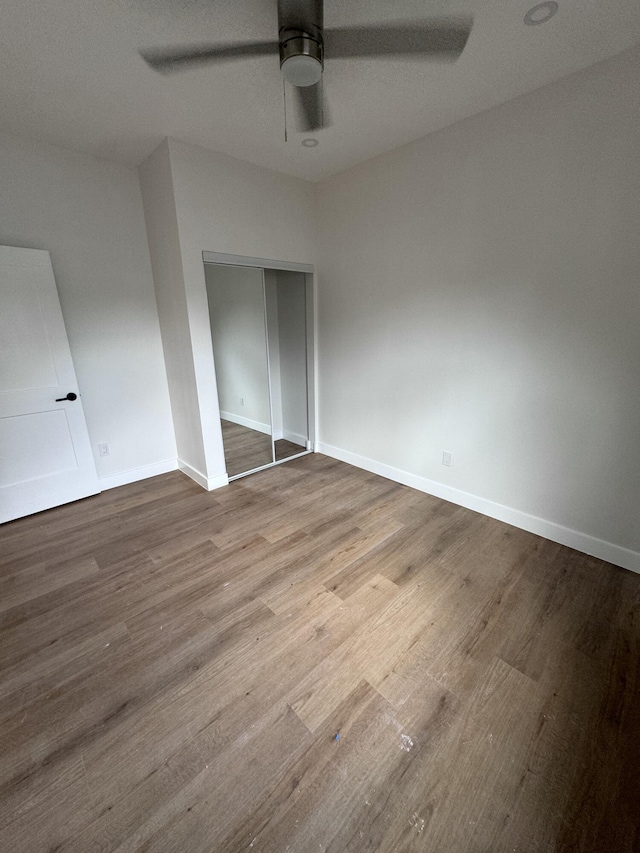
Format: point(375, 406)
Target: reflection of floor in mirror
point(285, 449)
point(245, 449)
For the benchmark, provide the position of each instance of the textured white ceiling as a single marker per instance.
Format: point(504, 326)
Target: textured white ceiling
point(70, 74)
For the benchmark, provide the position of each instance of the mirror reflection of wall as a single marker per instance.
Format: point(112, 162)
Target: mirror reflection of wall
point(286, 321)
point(238, 332)
point(259, 331)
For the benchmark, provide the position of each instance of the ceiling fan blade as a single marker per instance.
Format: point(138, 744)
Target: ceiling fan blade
point(311, 107)
point(440, 38)
point(167, 60)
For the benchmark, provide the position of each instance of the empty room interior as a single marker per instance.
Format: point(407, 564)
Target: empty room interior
point(320, 426)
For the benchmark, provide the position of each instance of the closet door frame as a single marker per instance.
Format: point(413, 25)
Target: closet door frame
point(222, 258)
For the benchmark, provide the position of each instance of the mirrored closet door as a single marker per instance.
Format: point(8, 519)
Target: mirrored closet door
point(261, 347)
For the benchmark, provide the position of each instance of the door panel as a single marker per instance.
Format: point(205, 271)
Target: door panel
point(24, 367)
point(45, 453)
point(41, 444)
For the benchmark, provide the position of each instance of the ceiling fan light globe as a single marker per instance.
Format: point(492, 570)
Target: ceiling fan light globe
point(302, 70)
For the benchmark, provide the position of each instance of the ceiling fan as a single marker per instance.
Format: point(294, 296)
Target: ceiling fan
point(303, 44)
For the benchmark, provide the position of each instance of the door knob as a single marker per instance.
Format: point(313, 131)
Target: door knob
point(70, 396)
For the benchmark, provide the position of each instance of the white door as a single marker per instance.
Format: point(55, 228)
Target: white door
point(45, 454)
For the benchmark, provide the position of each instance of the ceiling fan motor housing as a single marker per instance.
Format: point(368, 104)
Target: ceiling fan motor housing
point(301, 57)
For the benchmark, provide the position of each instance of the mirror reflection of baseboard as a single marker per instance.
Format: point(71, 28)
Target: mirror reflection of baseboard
point(262, 334)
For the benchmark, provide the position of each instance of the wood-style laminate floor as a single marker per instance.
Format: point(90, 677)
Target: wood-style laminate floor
point(176, 666)
point(246, 449)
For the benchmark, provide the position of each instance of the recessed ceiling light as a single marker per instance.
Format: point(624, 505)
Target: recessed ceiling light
point(541, 13)
point(310, 143)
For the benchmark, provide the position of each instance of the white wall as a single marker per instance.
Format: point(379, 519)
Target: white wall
point(88, 214)
point(237, 317)
point(225, 205)
point(480, 293)
point(162, 233)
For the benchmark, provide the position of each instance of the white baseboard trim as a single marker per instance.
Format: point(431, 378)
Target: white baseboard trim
point(208, 483)
point(123, 478)
point(600, 548)
point(246, 422)
point(295, 438)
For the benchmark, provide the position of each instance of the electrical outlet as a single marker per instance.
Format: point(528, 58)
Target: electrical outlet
point(103, 449)
point(447, 458)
